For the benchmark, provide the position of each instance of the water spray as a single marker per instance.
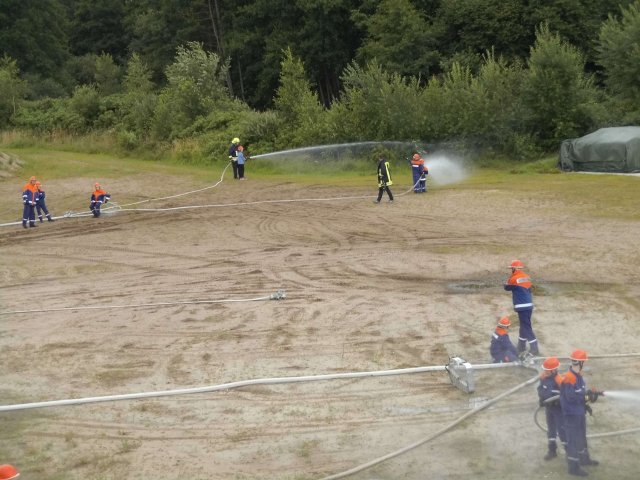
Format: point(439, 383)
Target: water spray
point(335, 146)
point(625, 395)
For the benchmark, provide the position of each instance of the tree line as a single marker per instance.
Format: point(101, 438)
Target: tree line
point(512, 77)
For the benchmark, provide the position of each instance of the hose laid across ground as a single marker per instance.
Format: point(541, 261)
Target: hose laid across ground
point(243, 383)
point(279, 295)
point(433, 436)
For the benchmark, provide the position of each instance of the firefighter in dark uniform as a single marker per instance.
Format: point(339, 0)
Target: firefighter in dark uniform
point(29, 201)
point(420, 172)
point(384, 179)
point(233, 156)
point(519, 284)
point(549, 398)
point(573, 400)
point(41, 206)
point(502, 348)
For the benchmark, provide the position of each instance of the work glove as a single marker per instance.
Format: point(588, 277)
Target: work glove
point(589, 409)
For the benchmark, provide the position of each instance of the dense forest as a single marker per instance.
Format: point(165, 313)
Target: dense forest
point(507, 77)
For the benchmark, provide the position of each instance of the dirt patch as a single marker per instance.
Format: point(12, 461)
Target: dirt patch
point(369, 287)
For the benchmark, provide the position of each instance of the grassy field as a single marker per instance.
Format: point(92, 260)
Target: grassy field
point(615, 196)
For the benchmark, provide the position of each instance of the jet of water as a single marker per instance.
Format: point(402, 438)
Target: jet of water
point(627, 395)
point(323, 148)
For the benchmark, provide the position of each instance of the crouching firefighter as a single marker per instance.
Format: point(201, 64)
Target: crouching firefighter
point(98, 197)
point(573, 400)
point(549, 398)
point(502, 349)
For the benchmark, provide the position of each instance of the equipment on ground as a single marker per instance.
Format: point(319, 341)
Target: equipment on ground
point(461, 374)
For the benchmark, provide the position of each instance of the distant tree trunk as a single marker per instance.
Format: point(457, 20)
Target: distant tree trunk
point(217, 33)
point(241, 82)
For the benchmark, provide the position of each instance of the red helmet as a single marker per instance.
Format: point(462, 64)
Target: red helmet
point(550, 363)
point(416, 156)
point(504, 322)
point(7, 472)
point(516, 264)
point(579, 356)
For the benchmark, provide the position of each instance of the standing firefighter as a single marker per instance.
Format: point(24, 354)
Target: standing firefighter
point(420, 172)
point(573, 399)
point(98, 197)
point(384, 179)
point(41, 206)
point(502, 348)
point(233, 156)
point(240, 161)
point(519, 284)
point(549, 398)
point(29, 200)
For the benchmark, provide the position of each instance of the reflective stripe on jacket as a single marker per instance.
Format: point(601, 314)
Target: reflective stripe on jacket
point(519, 284)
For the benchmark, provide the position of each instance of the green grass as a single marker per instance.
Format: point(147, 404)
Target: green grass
point(614, 196)
point(54, 164)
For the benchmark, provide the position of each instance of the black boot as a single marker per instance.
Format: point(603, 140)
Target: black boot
point(522, 346)
point(32, 224)
point(50, 219)
point(553, 451)
point(586, 460)
point(24, 224)
point(574, 469)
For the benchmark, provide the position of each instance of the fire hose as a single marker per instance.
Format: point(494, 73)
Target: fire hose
point(433, 436)
point(592, 396)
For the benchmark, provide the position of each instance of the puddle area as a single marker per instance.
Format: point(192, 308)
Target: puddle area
point(470, 287)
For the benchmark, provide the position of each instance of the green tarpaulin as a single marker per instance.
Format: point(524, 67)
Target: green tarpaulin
point(615, 149)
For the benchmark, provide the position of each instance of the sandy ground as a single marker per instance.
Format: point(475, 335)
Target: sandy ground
point(369, 287)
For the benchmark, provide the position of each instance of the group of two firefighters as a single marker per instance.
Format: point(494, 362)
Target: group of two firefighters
point(419, 171)
point(33, 198)
point(564, 397)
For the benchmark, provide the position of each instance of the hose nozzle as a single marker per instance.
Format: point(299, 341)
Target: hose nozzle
point(593, 395)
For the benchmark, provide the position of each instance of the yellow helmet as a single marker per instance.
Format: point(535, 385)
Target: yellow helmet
point(235, 140)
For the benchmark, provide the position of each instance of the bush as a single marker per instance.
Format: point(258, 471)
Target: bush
point(127, 140)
